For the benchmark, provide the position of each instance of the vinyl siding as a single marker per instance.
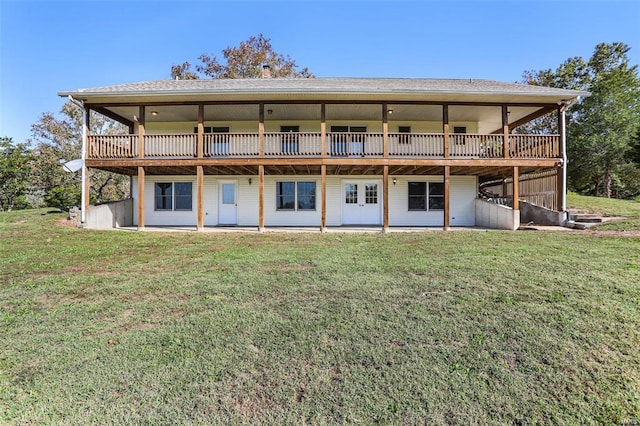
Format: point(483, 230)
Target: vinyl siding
point(463, 194)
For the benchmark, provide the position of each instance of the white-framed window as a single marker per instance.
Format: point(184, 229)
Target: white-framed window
point(405, 138)
point(173, 196)
point(296, 195)
point(426, 196)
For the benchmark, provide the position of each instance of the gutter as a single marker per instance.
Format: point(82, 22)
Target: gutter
point(565, 161)
point(85, 196)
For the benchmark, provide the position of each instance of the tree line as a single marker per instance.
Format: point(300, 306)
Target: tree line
point(603, 130)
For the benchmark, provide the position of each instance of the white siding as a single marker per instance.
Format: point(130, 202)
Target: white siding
point(463, 193)
point(153, 217)
point(399, 214)
point(274, 217)
point(334, 200)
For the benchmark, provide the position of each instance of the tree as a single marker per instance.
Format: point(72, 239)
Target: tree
point(244, 61)
point(601, 128)
point(57, 140)
point(15, 165)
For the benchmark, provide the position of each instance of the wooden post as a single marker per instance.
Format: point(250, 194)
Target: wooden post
point(323, 131)
point(141, 132)
point(200, 150)
point(385, 199)
point(323, 192)
point(261, 198)
point(516, 188)
point(505, 131)
point(141, 198)
point(447, 196)
point(445, 129)
point(200, 197)
point(261, 130)
point(385, 130)
point(86, 179)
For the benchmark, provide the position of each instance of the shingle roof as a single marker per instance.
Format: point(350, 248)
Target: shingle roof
point(380, 89)
point(331, 85)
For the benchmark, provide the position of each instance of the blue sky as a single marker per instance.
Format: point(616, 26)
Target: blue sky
point(49, 46)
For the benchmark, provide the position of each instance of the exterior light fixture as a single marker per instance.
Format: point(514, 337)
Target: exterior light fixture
point(249, 181)
point(395, 181)
point(154, 113)
point(389, 111)
point(269, 111)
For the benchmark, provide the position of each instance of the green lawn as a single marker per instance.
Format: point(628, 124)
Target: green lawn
point(436, 327)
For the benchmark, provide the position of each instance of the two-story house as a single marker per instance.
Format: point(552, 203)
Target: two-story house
point(321, 152)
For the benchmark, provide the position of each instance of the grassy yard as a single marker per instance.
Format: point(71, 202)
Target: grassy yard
point(437, 327)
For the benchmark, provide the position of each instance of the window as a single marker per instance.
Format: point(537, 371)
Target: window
point(351, 193)
point(371, 193)
point(290, 139)
point(164, 196)
point(173, 196)
point(295, 196)
point(426, 196)
point(460, 130)
point(404, 138)
point(345, 140)
point(306, 195)
point(183, 195)
point(216, 141)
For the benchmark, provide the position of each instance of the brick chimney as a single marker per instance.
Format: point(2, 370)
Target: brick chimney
point(266, 71)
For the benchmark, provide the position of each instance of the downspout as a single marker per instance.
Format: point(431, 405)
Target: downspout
point(83, 199)
point(563, 142)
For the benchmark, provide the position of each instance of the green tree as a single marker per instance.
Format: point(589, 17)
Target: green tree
point(59, 139)
point(15, 166)
point(601, 128)
point(243, 61)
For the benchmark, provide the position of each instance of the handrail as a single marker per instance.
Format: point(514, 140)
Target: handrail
point(309, 144)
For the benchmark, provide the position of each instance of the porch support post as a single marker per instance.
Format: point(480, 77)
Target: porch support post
point(85, 195)
point(200, 150)
point(516, 188)
point(505, 131)
point(141, 198)
point(445, 129)
point(200, 197)
point(323, 131)
point(323, 194)
point(141, 132)
point(447, 196)
point(385, 199)
point(261, 130)
point(261, 198)
point(385, 130)
point(561, 188)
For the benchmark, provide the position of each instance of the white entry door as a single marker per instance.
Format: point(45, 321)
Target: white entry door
point(228, 204)
point(361, 202)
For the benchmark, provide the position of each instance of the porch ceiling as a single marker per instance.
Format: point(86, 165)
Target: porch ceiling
point(485, 173)
point(489, 118)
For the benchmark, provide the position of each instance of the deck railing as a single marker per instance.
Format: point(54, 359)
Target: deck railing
point(309, 144)
point(534, 146)
point(416, 144)
point(112, 146)
point(231, 145)
point(292, 144)
point(476, 146)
